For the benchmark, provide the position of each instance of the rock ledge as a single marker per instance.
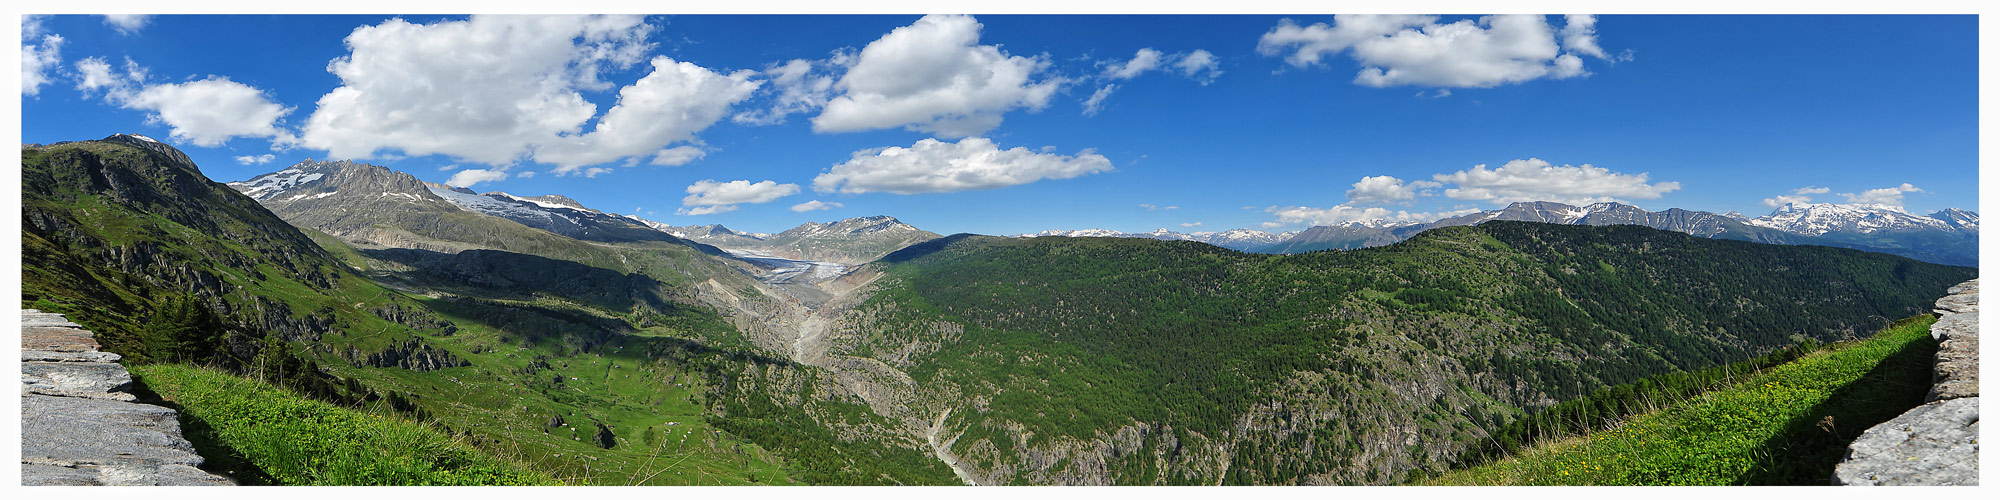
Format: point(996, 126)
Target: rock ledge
point(1936, 444)
point(78, 424)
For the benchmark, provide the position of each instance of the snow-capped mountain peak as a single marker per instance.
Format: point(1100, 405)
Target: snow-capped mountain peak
point(1237, 239)
point(1820, 218)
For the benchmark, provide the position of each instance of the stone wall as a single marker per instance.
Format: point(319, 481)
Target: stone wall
point(1936, 444)
point(79, 426)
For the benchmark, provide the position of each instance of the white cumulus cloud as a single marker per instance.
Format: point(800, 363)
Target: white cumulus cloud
point(1201, 65)
point(1096, 101)
point(1416, 50)
point(1579, 35)
point(255, 160)
point(40, 58)
point(1889, 196)
point(677, 156)
point(708, 196)
point(933, 76)
point(1536, 180)
point(1145, 59)
point(127, 23)
point(816, 205)
point(493, 89)
point(1386, 189)
point(932, 166)
point(670, 105)
point(1347, 213)
point(470, 176)
point(801, 86)
point(1798, 196)
point(205, 112)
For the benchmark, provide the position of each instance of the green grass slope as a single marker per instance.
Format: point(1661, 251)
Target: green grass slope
point(1786, 425)
point(263, 434)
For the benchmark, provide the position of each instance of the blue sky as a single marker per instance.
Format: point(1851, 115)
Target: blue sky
point(1191, 123)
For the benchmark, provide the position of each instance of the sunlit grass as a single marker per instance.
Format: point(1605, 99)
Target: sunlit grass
point(1782, 426)
point(289, 440)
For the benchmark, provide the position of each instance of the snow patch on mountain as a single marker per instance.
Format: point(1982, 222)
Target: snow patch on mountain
point(270, 185)
point(1816, 219)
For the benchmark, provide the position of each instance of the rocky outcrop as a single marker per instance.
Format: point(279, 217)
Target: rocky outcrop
point(1936, 444)
point(78, 424)
point(409, 355)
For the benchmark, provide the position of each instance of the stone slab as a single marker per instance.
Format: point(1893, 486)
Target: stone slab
point(83, 380)
point(59, 339)
point(1959, 303)
point(1936, 444)
point(1956, 371)
point(68, 431)
point(69, 357)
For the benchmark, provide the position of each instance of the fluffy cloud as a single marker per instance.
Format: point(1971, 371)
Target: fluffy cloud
point(1346, 213)
point(1536, 180)
point(470, 176)
point(1415, 50)
point(255, 160)
point(677, 156)
point(493, 89)
point(1782, 200)
point(1889, 196)
point(1096, 100)
point(212, 111)
point(1200, 65)
point(127, 23)
point(931, 166)
point(709, 197)
point(933, 76)
point(205, 112)
point(1386, 189)
point(1146, 59)
point(1154, 208)
point(800, 88)
point(1191, 224)
point(815, 205)
point(1798, 196)
point(1579, 35)
point(670, 105)
point(36, 61)
point(94, 74)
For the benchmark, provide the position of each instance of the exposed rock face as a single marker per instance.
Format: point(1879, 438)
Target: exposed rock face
point(410, 355)
point(1936, 444)
point(78, 426)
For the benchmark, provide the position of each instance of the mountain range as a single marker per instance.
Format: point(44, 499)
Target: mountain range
point(595, 345)
point(1948, 236)
point(1247, 240)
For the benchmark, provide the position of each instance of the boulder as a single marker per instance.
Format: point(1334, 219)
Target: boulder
point(1936, 444)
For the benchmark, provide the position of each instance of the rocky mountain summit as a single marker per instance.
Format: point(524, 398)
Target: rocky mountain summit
point(346, 199)
point(847, 242)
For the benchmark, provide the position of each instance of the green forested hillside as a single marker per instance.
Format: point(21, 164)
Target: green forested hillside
point(593, 375)
point(1336, 367)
